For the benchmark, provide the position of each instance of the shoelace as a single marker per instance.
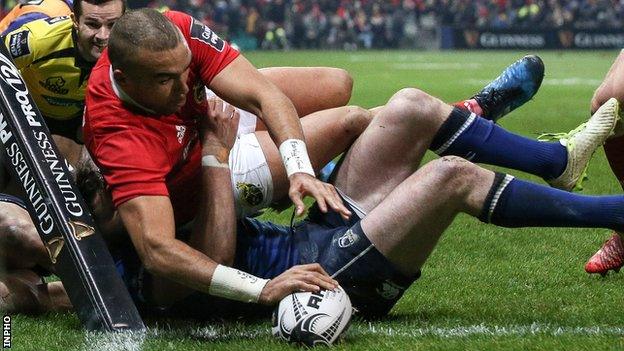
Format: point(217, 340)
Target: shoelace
point(570, 147)
point(494, 97)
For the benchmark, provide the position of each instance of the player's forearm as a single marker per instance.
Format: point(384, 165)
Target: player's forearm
point(280, 116)
point(215, 223)
point(176, 261)
point(180, 263)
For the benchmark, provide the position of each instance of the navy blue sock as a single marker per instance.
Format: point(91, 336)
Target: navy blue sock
point(518, 203)
point(482, 141)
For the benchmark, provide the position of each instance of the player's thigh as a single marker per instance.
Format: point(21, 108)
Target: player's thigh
point(328, 133)
point(312, 89)
point(391, 147)
point(406, 226)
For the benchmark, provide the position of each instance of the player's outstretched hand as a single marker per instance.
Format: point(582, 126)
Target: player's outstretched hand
point(309, 277)
point(302, 184)
point(220, 125)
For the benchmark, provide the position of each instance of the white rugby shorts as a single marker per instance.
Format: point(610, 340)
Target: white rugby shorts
point(247, 122)
point(251, 177)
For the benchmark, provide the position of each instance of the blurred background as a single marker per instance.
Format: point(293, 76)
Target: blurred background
point(406, 24)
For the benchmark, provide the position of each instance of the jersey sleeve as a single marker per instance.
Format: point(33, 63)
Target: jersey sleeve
point(211, 54)
point(22, 46)
point(133, 164)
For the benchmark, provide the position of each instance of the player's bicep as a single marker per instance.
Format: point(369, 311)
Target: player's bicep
point(150, 223)
point(241, 84)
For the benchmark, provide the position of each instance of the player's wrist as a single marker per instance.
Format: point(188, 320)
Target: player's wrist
point(233, 284)
point(213, 161)
point(295, 157)
point(220, 152)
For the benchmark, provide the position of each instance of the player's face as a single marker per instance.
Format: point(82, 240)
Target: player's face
point(93, 27)
point(159, 81)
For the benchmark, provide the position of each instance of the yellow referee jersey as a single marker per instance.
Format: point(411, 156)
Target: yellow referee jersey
point(54, 71)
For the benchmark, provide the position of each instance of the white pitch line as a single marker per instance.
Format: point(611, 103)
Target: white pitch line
point(487, 330)
point(379, 329)
point(572, 81)
point(115, 341)
point(127, 341)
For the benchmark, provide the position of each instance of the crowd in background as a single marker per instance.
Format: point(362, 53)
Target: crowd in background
point(345, 24)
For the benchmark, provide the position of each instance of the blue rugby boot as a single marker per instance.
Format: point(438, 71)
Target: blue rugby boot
point(516, 85)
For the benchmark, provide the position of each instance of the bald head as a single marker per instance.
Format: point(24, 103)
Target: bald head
point(144, 29)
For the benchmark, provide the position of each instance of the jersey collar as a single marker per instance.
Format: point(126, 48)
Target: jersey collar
point(125, 97)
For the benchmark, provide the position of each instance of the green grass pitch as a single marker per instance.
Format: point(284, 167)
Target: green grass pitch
point(484, 288)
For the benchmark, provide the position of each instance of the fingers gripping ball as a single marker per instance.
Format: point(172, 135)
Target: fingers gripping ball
point(312, 318)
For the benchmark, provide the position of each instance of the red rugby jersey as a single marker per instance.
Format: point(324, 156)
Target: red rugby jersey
point(142, 154)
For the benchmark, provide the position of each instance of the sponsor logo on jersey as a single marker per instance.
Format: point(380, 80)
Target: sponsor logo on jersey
point(18, 44)
point(347, 239)
point(181, 131)
point(201, 32)
point(57, 19)
point(55, 85)
point(250, 194)
point(54, 101)
point(31, 3)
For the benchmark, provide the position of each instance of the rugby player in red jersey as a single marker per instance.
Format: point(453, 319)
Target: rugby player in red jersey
point(145, 106)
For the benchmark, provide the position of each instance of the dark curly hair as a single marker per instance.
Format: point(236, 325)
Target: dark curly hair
point(77, 8)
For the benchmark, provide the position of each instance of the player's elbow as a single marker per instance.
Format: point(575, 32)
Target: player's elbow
point(155, 258)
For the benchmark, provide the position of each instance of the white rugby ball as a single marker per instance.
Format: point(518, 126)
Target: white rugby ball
point(312, 318)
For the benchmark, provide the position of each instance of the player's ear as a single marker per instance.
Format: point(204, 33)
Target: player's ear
point(74, 20)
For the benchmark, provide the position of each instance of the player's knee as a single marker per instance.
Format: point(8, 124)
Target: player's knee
point(454, 173)
point(343, 83)
point(410, 96)
point(356, 120)
point(409, 104)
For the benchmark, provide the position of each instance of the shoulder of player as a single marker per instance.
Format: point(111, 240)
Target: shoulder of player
point(42, 37)
point(177, 17)
point(50, 30)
